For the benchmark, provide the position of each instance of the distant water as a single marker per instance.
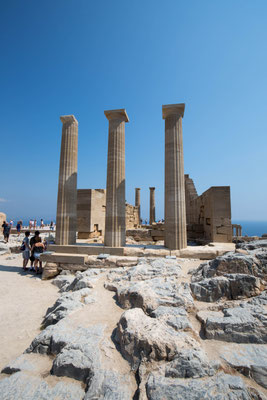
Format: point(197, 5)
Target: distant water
point(249, 228)
point(252, 228)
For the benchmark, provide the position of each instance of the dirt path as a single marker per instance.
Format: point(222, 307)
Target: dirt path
point(24, 299)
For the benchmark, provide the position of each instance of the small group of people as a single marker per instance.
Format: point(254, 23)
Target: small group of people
point(32, 250)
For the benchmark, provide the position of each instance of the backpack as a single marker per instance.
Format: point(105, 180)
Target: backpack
point(22, 247)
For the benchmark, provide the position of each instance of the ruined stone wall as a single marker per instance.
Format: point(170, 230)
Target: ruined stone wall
point(211, 215)
point(91, 207)
point(132, 216)
point(2, 219)
point(190, 195)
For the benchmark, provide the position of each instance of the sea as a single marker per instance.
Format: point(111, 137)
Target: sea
point(249, 228)
point(252, 228)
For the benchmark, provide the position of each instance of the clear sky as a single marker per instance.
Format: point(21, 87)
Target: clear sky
point(82, 57)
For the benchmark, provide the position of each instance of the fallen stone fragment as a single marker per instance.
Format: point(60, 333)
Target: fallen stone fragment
point(141, 336)
point(220, 387)
point(50, 270)
point(23, 386)
point(249, 359)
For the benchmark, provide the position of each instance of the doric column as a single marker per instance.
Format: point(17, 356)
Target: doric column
point(67, 182)
point(138, 203)
point(115, 195)
point(175, 212)
point(152, 216)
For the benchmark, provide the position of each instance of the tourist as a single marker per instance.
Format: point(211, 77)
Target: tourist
point(26, 251)
point(51, 226)
point(33, 240)
point(35, 224)
point(6, 231)
point(42, 223)
point(37, 249)
point(11, 223)
point(18, 227)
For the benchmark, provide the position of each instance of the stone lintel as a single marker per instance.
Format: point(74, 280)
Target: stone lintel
point(68, 119)
point(120, 114)
point(173, 109)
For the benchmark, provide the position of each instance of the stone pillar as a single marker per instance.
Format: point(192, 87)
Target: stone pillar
point(240, 230)
point(115, 195)
point(175, 210)
point(152, 216)
point(138, 203)
point(67, 183)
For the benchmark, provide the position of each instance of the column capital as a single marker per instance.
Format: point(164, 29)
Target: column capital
point(137, 189)
point(152, 188)
point(68, 119)
point(120, 114)
point(173, 109)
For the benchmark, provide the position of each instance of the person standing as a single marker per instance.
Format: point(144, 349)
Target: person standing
point(19, 224)
point(42, 223)
point(6, 231)
point(38, 249)
point(51, 226)
point(34, 224)
point(33, 240)
point(26, 251)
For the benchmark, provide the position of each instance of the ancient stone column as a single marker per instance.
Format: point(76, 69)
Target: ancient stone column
point(152, 216)
point(175, 210)
point(138, 203)
point(67, 183)
point(115, 194)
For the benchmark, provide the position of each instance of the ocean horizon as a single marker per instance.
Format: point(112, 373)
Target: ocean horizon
point(249, 228)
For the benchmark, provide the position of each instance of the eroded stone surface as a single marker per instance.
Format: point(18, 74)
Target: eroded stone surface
point(219, 387)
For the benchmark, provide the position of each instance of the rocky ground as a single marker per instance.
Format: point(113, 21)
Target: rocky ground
point(165, 328)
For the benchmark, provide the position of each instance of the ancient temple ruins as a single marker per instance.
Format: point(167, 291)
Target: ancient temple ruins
point(103, 212)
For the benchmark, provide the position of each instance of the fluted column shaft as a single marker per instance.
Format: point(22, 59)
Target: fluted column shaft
point(152, 208)
point(175, 210)
point(67, 183)
point(138, 203)
point(115, 193)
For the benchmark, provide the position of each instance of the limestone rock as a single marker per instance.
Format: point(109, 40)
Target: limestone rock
point(230, 286)
point(232, 263)
point(150, 294)
point(176, 317)
point(140, 336)
point(19, 364)
point(66, 304)
point(190, 363)
point(249, 359)
point(255, 244)
point(244, 324)
point(108, 385)
point(75, 362)
point(24, 386)
point(50, 271)
point(220, 387)
point(62, 280)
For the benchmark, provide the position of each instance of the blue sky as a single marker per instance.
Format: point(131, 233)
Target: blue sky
point(82, 57)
